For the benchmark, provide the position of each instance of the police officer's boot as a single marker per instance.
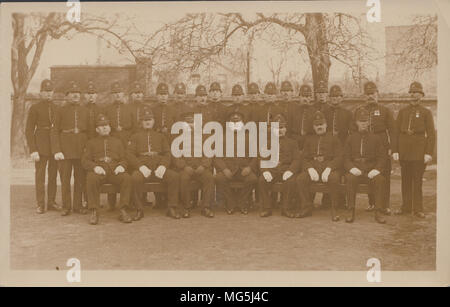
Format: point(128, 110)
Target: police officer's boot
point(334, 216)
point(351, 217)
point(172, 212)
point(207, 212)
point(266, 213)
point(124, 217)
point(40, 210)
point(186, 213)
point(285, 212)
point(379, 218)
point(139, 215)
point(93, 220)
point(305, 212)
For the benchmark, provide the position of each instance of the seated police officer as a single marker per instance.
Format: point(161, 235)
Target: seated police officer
point(364, 161)
point(198, 169)
point(284, 173)
point(322, 162)
point(236, 169)
point(104, 159)
point(149, 154)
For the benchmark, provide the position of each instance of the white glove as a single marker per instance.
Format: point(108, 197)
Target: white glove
point(395, 156)
point(160, 171)
point(287, 175)
point(268, 176)
point(99, 170)
point(145, 171)
point(355, 171)
point(373, 173)
point(427, 159)
point(35, 156)
point(119, 170)
point(59, 156)
point(325, 174)
point(313, 174)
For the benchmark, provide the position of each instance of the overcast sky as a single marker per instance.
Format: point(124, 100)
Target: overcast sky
point(151, 16)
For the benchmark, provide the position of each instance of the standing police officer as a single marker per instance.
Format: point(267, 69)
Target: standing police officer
point(68, 141)
point(300, 117)
point(137, 104)
point(40, 122)
point(416, 141)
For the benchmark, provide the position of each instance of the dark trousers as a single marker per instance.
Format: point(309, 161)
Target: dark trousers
point(170, 178)
point(79, 176)
point(376, 186)
point(45, 162)
point(206, 180)
point(264, 188)
point(412, 174)
point(387, 186)
point(303, 184)
point(240, 197)
point(94, 182)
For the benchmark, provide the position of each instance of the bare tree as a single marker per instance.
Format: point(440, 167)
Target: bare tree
point(417, 48)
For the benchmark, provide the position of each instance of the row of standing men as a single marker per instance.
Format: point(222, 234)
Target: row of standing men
point(66, 135)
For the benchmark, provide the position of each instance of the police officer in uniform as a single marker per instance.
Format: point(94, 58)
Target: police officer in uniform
point(121, 121)
point(104, 159)
point(40, 121)
point(195, 168)
point(364, 161)
point(322, 162)
point(320, 103)
point(137, 105)
point(300, 117)
point(416, 140)
point(149, 154)
point(164, 114)
point(201, 103)
point(339, 120)
point(381, 122)
point(120, 115)
point(215, 106)
point(68, 141)
point(285, 171)
point(254, 97)
point(236, 169)
point(90, 96)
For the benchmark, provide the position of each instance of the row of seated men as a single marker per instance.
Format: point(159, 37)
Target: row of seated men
point(64, 132)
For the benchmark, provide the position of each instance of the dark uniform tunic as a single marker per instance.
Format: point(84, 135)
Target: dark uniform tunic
point(150, 148)
point(94, 110)
point(236, 165)
point(364, 150)
point(299, 119)
point(107, 152)
point(416, 138)
point(339, 122)
point(288, 160)
point(381, 123)
point(165, 115)
point(40, 121)
point(70, 137)
point(319, 153)
point(121, 121)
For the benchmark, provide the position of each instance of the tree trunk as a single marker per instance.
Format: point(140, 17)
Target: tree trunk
point(18, 141)
point(318, 51)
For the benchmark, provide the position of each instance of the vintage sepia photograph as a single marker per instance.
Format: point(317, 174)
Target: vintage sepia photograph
point(230, 136)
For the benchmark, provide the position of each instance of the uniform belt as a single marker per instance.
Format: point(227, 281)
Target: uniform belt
point(43, 128)
point(148, 153)
point(105, 159)
point(319, 158)
point(361, 159)
point(75, 131)
point(413, 133)
point(121, 129)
